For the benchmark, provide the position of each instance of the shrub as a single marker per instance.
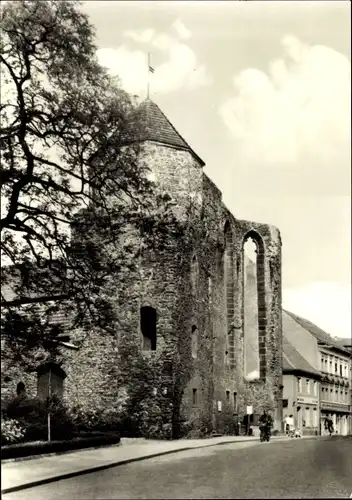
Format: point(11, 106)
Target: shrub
point(11, 431)
point(88, 421)
point(32, 415)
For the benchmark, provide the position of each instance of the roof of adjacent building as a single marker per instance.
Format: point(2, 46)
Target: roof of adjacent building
point(160, 129)
point(318, 333)
point(293, 361)
point(347, 342)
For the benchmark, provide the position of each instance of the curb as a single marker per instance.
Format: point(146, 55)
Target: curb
point(98, 468)
point(56, 453)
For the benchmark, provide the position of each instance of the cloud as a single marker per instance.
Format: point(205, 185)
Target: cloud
point(181, 29)
point(181, 70)
point(326, 304)
point(143, 37)
point(299, 111)
point(254, 375)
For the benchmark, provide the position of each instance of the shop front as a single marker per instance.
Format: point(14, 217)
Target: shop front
point(340, 416)
point(307, 416)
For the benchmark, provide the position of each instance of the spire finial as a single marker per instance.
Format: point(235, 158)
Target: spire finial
point(150, 70)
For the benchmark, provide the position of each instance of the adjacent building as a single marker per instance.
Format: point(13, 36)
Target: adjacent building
point(301, 390)
point(333, 363)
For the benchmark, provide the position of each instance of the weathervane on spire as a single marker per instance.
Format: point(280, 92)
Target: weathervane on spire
point(150, 70)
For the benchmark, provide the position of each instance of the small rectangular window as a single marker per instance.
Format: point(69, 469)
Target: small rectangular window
point(285, 403)
point(194, 397)
point(228, 396)
point(340, 370)
point(235, 401)
point(335, 367)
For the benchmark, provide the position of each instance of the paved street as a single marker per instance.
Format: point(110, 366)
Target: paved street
point(312, 468)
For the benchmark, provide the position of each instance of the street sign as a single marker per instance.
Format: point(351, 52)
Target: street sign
point(249, 410)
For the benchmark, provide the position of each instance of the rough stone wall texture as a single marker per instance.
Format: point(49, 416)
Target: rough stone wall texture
point(103, 366)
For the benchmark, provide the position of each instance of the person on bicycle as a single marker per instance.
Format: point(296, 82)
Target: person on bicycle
point(265, 421)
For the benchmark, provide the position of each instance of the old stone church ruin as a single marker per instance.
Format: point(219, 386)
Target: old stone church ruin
point(201, 336)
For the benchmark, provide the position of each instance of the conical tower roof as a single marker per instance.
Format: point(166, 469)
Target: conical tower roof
point(160, 129)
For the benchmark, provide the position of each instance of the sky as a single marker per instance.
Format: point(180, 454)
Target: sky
point(261, 91)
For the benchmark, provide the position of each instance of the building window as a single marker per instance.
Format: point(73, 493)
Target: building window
point(228, 396)
point(194, 341)
point(194, 397)
point(235, 401)
point(20, 389)
point(307, 417)
point(299, 384)
point(285, 403)
point(335, 367)
point(148, 328)
point(254, 304)
point(50, 381)
point(315, 388)
point(307, 386)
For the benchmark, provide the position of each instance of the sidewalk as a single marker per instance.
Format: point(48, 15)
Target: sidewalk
point(19, 475)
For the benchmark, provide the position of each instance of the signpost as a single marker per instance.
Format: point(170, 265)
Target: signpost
point(49, 402)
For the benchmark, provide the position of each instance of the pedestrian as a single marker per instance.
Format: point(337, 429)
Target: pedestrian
point(236, 424)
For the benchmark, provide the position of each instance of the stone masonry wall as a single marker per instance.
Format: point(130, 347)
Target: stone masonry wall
point(107, 366)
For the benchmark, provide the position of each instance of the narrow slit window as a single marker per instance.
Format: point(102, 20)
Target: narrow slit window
point(194, 397)
point(194, 342)
point(148, 328)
